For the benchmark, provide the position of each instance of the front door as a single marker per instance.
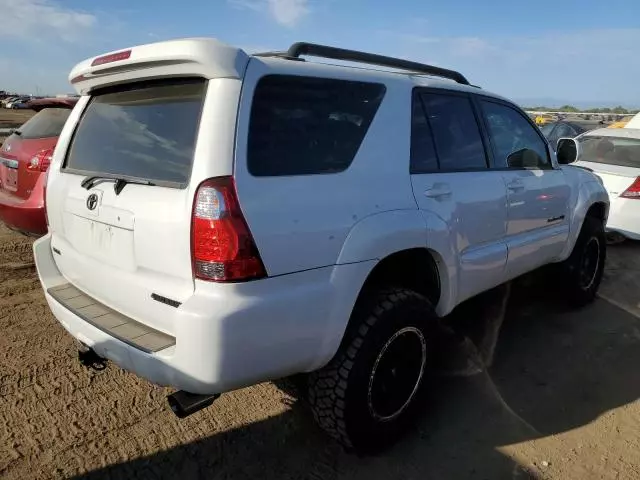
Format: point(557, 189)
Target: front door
point(537, 193)
point(452, 182)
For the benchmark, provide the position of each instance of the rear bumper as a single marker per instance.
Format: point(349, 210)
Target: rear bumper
point(624, 217)
point(228, 336)
point(24, 215)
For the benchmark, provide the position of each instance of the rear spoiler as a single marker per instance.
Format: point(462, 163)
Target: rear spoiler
point(198, 57)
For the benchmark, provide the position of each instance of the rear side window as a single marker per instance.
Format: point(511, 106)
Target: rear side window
point(145, 131)
point(46, 123)
point(304, 125)
point(455, 130)
point(423, 150)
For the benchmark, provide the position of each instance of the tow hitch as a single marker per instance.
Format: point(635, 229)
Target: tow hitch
point(90, 359)
point(184, 403)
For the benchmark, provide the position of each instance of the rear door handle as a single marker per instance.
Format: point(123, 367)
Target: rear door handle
point(438, 191)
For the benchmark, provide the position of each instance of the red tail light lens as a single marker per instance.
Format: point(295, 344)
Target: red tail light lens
point(222, 247)
point(41, 161)
point(633, 191)
point(112, 57)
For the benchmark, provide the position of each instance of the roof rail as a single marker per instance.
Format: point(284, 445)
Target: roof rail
point(314, 50)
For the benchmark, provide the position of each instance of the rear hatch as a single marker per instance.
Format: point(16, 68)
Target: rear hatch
point(39, 133)
point(120, 206)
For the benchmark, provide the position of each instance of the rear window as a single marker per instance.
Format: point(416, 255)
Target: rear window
point(45, 124)
point(305, 125)
point(144, 131)
point(610, 150)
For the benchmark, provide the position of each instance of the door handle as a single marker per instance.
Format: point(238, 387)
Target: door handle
point(515, 185)
point(437, 191)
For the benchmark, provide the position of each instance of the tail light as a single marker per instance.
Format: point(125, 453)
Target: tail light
point(222, 248)
point(40, 161)
point(633, 191)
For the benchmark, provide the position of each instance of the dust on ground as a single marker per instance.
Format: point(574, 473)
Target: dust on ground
point(561, 402)
point(13, 118)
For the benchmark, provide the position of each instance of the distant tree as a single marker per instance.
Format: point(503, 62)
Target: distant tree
point(568, 108)
point(620, 109)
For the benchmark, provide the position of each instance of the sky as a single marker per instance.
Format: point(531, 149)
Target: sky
point(533, 51)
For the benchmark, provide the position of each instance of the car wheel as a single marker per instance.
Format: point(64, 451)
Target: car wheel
point(367, 395)
point(582, 271)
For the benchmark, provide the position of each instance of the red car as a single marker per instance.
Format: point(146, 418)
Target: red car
point(24, 158)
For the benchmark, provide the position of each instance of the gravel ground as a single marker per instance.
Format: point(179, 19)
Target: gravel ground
point(561, 401)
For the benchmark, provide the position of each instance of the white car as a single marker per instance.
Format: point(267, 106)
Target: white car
point(614, 155)
point(218, 219)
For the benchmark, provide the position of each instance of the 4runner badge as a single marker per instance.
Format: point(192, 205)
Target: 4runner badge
point(92, 201)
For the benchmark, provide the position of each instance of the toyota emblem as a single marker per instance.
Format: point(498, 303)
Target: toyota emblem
point(92, 201)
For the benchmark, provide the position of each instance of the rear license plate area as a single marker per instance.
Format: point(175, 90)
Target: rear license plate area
point(9, 174)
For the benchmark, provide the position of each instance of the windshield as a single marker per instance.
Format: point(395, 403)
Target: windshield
point(146, 132)
point(610, 150)
point(45, 124)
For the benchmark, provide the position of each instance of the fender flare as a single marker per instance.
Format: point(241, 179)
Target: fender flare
point(369, 241)
point(377, 236)
point(589, 193)
point(382, 234)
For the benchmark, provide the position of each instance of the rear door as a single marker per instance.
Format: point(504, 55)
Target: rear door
point(537, 193)
point(123, 245)
point(451, 180)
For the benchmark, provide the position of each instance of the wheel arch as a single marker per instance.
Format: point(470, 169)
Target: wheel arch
point(592, 200)
point(383, 248)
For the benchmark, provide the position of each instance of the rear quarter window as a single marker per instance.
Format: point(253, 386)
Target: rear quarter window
point(145, 131)
point(305, 125)
point(46, 123)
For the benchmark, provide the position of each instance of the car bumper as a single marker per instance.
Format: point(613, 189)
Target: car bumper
point(624, 217)
point(27, 216)
point(229, 336)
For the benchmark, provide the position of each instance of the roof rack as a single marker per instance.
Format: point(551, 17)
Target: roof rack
point(314, 50)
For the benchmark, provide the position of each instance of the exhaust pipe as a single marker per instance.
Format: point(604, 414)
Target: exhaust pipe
point(184, 403)
point(90, 359)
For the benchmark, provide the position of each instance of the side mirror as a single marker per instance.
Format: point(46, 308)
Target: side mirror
point(567, 151)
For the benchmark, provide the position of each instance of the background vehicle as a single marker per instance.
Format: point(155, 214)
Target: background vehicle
point(24, 158)
point(564, 129)
point(260, 217)
point(7, 100)
point(634, 122)
point(614, 155)
point(16, 101)
point(544, 119)
point(21, 104)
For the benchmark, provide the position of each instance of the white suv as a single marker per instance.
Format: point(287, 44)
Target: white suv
point(218, 219)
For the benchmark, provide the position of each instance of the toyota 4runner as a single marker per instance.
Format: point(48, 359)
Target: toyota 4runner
point(218, 219)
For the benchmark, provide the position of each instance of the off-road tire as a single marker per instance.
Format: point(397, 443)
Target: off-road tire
point(340, 394)
point(571, 281)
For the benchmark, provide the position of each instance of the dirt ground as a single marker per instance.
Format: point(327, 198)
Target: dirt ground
point(562, 401)
point(14, 118)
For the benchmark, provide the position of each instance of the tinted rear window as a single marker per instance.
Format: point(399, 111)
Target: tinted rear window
point(144, 131)
point(45, 124)
point(455, 130)
point(610, 150)
point(304, 125)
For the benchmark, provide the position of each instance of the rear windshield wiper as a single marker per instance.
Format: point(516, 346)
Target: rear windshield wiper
point(120, 183)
